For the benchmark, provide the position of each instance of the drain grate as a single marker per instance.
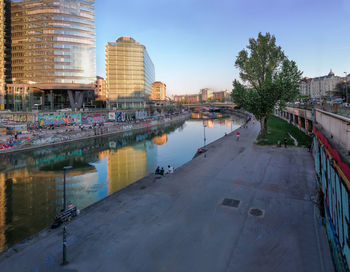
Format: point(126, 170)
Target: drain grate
point(256, 212)
point(231, 202)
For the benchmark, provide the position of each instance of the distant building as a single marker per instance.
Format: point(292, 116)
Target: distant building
point(100, 89)
point(187, 99)
point(305, 86)
point(158, 91)
point(129, 74)
point(206, 94)
point(319, 87)
point(223, 96)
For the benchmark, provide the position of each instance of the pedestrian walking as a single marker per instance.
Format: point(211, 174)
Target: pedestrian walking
point(285, 142)
point(237, 136)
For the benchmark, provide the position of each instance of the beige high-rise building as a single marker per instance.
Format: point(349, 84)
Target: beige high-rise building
point(158, 91)
point(129, 74)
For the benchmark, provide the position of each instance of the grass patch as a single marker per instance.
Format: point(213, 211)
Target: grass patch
point(278, 129)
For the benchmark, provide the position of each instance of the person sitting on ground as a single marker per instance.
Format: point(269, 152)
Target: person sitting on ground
point(161, 171)
point(170, 169)
point(157, 172)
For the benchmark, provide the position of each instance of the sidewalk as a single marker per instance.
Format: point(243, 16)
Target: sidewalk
point(178, 223)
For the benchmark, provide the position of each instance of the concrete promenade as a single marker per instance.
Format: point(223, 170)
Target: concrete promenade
point(178, 223)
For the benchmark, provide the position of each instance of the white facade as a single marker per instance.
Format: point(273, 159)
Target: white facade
point(305, 87)
point(320, 86)
point(206, 94)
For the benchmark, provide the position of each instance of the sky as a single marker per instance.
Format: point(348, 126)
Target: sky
point(194, 43)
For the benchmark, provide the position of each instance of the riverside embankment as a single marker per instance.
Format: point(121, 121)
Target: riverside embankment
point(47, 138)
point(179, 222)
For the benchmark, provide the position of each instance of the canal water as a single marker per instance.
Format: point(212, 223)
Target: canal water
point(31, 182)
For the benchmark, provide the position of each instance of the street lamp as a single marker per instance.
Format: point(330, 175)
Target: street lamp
point(64, 244)
point(204, 135)
point(346, 87)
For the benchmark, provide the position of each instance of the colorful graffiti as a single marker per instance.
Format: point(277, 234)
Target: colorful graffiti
point(53, 120)
point(333, 174)
point(59, 119)
point(93, 118)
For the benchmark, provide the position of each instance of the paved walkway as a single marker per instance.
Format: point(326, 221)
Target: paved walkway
point(178, 223)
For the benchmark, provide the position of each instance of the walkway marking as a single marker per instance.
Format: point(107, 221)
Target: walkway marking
point(295, 140)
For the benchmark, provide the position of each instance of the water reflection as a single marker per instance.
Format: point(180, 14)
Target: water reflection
point(160, 140)
point(210, 123)
point(31, 183)
point(126, 165)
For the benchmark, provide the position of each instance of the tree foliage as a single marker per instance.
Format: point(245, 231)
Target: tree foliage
point(340, 90)
point(268, 77)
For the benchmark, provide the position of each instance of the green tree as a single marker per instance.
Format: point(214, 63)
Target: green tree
point(339, 90)
point(268, 77)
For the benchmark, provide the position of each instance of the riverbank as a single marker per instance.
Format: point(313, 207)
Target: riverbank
point(62, 137)
point(179, 222)
point(279, 129)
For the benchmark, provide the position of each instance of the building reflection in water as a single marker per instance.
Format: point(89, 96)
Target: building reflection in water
point(196, 115)
point(160, 140)
point(126, 165)
point(209, 123)
point(31, 183)
point(2, 211)
point(228, 123)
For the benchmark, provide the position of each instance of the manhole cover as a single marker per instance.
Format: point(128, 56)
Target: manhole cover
point(231, 202)
point(256, 212)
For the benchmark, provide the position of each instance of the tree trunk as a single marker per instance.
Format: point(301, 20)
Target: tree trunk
point(263, 124)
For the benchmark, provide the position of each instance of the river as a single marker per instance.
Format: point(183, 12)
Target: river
point(31, 182)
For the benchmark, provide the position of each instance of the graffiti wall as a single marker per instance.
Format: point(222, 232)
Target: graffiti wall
point(18, 117)
point(93, 118)
point(59, 119)
point(334, 175)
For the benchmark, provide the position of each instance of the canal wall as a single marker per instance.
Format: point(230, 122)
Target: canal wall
point(113, 129)
point(301, 118)
point(331, 153)
point(332, 166)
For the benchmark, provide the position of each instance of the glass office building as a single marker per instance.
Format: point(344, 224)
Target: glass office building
point(5, 46)
point(129, 74)
point(53, 41)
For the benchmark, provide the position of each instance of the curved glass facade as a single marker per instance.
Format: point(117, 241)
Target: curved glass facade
point(53, 41)
point(129, 73)
point(5, 48)
point(2, 54)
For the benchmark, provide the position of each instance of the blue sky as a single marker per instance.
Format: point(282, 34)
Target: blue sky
point(193, 44)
